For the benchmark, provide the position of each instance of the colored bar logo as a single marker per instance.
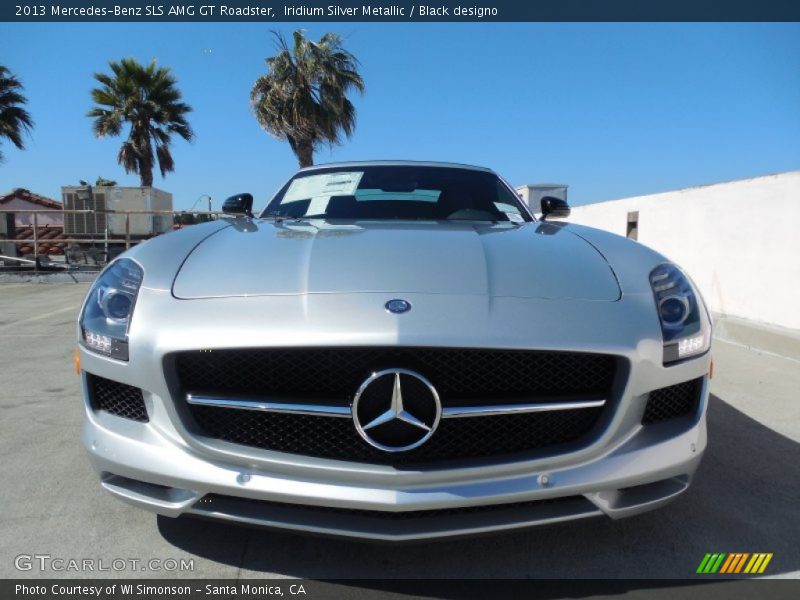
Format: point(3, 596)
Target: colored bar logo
point(733, 563)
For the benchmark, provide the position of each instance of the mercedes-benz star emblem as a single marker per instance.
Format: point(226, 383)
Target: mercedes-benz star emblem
point(396, 410)
point(398, 306)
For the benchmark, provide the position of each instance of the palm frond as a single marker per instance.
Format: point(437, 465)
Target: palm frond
point(147, 99)
point(165, 162)
point(15, 121)
point(303, 97)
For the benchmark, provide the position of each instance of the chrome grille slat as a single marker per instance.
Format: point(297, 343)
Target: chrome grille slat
point(515, 409)
point(325, 410)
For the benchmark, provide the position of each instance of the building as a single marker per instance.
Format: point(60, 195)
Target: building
point(22, 199)
point(738, 240)
point(19, 225)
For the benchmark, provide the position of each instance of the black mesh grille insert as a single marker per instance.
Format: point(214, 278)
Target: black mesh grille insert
point(674, 401)
point(333, 375)
point(459, 374)
point(336, 438)
point(117, 398)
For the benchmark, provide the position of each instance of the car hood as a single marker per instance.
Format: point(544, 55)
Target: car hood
point(262, 257)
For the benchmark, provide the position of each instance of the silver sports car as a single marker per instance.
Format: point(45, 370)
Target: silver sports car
point(394, 351)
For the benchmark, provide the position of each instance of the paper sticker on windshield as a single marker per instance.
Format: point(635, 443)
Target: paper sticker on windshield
point(515, 217)
point(323, 186)
point(318, 205)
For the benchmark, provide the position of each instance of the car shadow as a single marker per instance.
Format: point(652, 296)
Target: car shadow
point(744, 499)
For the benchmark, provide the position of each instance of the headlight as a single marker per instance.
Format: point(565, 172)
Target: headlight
point(683, 324)
point(108, 309)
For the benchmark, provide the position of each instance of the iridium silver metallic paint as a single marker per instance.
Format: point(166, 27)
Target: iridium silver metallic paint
point(247, 283)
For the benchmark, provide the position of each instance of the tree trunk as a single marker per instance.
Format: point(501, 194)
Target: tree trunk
point(145, 176)
point(304, 150)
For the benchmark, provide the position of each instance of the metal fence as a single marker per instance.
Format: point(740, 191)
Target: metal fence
point(102, 246)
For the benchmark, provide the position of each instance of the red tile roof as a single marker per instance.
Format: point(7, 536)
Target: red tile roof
point(49, 239)
point(29, 196)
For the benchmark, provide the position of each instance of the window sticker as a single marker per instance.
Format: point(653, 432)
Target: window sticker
point(323, 186)
point(318, 205)
point(515, 217)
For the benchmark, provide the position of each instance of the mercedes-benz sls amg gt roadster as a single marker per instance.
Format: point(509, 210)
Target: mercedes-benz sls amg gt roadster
point(394, 351)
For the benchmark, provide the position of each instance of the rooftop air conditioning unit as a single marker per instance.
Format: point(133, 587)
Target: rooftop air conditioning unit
point(84, 198)
point(117, 200)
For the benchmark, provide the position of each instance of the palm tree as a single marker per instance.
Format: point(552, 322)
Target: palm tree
point(146, 98)
point(14, 120)
point(303, 97)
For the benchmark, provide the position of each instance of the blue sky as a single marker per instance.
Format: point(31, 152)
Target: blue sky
point(613, 110)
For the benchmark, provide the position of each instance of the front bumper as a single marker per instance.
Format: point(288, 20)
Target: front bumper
point(144, 468)
point(626, 469)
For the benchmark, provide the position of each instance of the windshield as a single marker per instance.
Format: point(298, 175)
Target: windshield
point(397, 192)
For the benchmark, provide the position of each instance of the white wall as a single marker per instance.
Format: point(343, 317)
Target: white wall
point(24, 219)
point(740, 241)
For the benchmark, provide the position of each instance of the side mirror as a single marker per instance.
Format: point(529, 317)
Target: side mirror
point(554, 208)
point(240, 204)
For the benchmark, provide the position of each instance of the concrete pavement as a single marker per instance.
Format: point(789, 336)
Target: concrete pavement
point(746, 497)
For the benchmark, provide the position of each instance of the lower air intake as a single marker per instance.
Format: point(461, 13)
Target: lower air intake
point(674, 401)
point(117, 398)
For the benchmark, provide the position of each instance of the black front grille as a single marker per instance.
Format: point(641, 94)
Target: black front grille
point(458, 374)
point(674, 401)
point(333, 375)
point(336, 438)
point(117, 398)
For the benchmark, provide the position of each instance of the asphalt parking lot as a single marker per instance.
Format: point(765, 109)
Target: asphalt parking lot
point(746, 497)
